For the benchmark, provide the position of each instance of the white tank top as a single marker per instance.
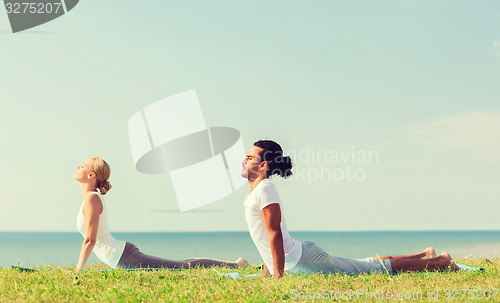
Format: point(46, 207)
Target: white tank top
point(107, 249)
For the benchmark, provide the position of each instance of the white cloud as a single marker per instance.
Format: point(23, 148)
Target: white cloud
point(477, 131)
point(495, 48)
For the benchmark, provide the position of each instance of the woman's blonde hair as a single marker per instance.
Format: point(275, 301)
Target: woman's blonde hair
point(102, 172)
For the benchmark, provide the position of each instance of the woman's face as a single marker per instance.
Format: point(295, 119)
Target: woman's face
point(84, 171)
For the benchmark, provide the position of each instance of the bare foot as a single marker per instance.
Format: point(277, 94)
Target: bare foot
point(430, 253)
point(454, 267)
point(447, 262)
point(242, 263)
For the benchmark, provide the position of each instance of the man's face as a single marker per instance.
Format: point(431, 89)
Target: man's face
point(252, 166)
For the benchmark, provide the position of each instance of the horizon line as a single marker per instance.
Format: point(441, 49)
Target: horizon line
point(291, 231)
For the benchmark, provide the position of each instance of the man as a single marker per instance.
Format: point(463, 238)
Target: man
point(280, 252)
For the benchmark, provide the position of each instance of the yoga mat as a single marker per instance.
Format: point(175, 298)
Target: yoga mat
point(104, 270)
point(237, 275)
point(469, 268)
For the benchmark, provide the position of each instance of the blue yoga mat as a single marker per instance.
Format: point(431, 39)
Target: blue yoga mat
point(469, 268)
point(104, 270)
point(237, 275)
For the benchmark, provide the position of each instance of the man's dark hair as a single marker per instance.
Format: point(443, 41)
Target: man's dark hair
point(272, 153)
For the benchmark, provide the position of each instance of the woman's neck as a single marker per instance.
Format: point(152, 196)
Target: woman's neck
point(87, 188)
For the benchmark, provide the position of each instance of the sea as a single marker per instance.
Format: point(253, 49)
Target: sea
point(63, 248)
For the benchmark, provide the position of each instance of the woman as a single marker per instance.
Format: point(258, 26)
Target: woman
point(92, 223)
point(280, 252)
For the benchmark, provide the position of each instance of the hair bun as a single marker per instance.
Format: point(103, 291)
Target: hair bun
point(272, 153)
point(286, 167)
point(104, 187)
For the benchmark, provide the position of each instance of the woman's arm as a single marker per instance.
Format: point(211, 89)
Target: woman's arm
point(92, 209)
point(265, 271)
point(272, 220)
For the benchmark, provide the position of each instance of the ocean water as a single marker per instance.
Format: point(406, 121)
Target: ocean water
point(28, 249)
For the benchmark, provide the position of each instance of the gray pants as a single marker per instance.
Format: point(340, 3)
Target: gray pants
point(316, 260)
point(132, 257)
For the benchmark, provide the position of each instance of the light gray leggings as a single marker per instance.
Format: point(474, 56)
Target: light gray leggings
point(132, 257)
point(315, 260)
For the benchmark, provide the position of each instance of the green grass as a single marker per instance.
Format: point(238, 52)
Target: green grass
point(63, 284)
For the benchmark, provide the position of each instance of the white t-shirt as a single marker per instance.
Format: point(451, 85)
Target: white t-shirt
point(263, 195)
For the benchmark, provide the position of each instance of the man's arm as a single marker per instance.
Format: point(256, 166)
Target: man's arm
point(265, 271)
point(272, 220)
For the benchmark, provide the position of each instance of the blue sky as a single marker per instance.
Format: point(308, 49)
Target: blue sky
point(415, 81)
